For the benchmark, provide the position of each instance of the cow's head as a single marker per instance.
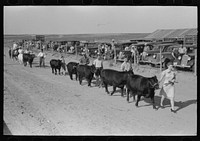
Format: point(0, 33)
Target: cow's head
point(154, 82)
point(93, 68)
point(130, 72)
point(74, 68)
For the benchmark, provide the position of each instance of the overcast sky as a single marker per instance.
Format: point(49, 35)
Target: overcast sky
point(96, 19)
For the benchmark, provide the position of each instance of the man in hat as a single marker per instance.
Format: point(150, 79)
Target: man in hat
point(84, 60)
point(98, 63)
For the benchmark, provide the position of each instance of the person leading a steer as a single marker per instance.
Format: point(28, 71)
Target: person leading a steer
point(126, 66)
point(63, 65)
point(42, 56)
point(98, 63)
point(84, 60)
point(168, 88)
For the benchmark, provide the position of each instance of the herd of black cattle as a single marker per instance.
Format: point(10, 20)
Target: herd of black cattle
point(136, 84)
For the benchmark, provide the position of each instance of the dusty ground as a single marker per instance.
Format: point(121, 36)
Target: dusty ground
point(36, 102)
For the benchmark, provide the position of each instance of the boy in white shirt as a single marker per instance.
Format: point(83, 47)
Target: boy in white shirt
point(98, 63)
point(42, 57)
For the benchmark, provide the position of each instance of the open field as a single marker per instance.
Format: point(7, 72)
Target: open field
point(37, 102)
point(89, 37)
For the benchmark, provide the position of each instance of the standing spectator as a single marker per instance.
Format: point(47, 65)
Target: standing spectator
point(15, 45)
point(126, 66)
point(175, 53)
point(114, 50)
point(168, 89)
point(42, 56)
point(84, 60)
point(182, 50)
point(98, 63)
point(126, 48)
point(144, 54)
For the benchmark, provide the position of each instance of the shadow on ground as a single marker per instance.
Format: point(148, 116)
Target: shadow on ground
point(166, 103)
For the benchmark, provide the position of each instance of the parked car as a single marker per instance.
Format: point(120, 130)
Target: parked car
point(153, 56)
point(127, 53)
point(186, 61)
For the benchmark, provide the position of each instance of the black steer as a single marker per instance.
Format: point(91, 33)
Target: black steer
point(72, 69)
point(114, 78)
point(85, 71)
point(28, 58)
point(142, 86)
point(14, 54)
point(55, 64)
point(10, 53)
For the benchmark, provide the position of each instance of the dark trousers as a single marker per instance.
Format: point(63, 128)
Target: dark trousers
point(42, 63)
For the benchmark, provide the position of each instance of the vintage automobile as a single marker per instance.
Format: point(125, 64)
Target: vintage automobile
point(186, 61)
point(153, 56)
point(127, 53)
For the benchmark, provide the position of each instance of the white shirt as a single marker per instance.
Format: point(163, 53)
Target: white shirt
point(125, 66)
point(182, 50)
point(98, 63)
point(20, 51)
point(14, 46)
point(41, 54)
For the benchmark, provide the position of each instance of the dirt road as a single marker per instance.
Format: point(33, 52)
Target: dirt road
point(36, 102)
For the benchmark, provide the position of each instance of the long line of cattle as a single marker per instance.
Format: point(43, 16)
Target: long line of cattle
point(136, 84)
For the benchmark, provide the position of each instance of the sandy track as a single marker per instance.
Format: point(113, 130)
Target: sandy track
point(36, 102)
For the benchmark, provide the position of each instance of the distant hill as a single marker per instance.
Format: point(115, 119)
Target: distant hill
point(88, 37)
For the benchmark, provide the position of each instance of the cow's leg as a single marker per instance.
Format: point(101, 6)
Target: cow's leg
point(127, 95)
point(80, 80)
point(153, 102)
point(106, 87)
point(100, 83)
point(122, 90)
point(55, 71)
point(52, 70)
point(89, 81)
point(70, 74)
point(138, 99)
point(132, 95)
point(114, 89)
point(59, 71)
point(30, 63)
point(76, 76)
point(25, 63)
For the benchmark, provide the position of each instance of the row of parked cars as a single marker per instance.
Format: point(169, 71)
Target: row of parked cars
point(185, 61)
point(154, 58)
